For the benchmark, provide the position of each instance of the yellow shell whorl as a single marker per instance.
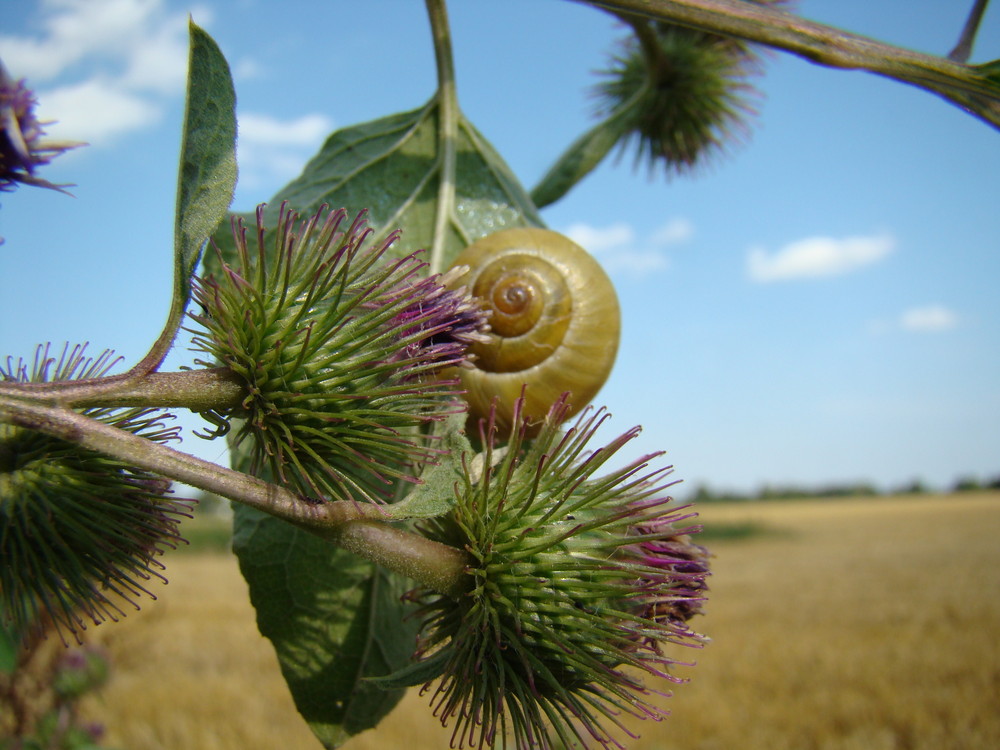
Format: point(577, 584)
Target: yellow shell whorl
point(555, 322)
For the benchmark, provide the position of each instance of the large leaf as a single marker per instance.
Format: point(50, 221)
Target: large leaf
point(395, 167)
point(206, 176)
point(334, 620)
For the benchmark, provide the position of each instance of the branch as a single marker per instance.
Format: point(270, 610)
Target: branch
point(968, 86)
point(359, 527)
point(197, 390)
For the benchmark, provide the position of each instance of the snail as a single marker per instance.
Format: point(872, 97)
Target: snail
point(554, 320)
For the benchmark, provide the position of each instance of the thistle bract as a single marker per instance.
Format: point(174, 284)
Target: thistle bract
point(79, 531)
point(687, 93)
point(22, 146)
point(339, 349)
point(577, 583)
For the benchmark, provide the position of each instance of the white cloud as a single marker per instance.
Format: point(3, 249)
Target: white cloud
point(273, 151)
point(674, 232)
point(928, 319)
point(265, 130)
point(246, 69)
point(934, 318)
point(816, 257)
point(109, 64)
point(73, 30)
point(620, 249)
point(94, 111)
point(599, 240)
point(158, 60)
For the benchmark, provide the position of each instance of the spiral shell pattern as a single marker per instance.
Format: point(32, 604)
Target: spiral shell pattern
point(554, 320)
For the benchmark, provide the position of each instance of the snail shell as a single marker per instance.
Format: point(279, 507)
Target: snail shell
point(554, 321)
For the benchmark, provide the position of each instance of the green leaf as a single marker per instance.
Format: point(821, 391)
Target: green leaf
point(582, 156)
point(206, 176)
point(333, 619)
point(417, 673)
point(395, 168)
point(436, 495)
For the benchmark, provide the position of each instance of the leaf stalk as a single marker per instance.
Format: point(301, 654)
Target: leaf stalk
point(448, 115)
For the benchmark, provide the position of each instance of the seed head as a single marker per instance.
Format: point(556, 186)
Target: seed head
point(340, 350)
point(577, 584)
point(79, 532)
point(688, 93)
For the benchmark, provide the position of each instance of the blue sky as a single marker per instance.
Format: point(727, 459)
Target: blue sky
point(819, 306)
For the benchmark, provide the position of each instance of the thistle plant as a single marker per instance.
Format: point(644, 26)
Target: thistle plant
point(551, 588)
point(673, 95)
point(682, 95)
point(42, 697)
point(85, 551)
point(576, 582)
point(338, 350)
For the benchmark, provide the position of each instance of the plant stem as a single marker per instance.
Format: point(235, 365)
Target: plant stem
point(961, 84)
point(197, 390)
point(448, 114)
point(359, 527)
point(436, 565)
point(963, 48)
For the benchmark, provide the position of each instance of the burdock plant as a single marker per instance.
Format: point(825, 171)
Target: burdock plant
point(673, 95)
point(687, 94)
point(82, 552)
point(575, 583)
point(339, 352)
point(554, 585)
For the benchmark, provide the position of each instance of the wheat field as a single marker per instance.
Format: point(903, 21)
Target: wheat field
point(867, 624)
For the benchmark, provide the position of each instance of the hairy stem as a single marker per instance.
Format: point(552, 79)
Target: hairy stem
point(197, 390)
point(438, 566)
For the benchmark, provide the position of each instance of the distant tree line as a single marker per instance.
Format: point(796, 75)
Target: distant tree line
point(210, 504)
point(704, 493)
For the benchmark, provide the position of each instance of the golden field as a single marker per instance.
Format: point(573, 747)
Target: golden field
point(863, 624)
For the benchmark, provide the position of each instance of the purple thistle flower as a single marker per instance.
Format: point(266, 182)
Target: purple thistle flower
point(440, 323)
point(578, 583)
point(95, 730)
point(80, 671)
point(22, 148)
point(677, 590)
point(341, 349)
